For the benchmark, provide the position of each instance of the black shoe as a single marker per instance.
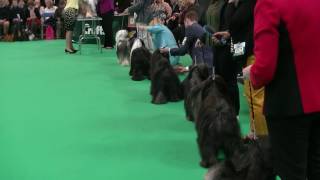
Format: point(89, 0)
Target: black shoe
point(70, 52)
point(74, 50)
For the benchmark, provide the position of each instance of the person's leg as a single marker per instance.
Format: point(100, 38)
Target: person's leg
point(16, 30)
point(13, 29)
point(289, 141)
point(255, 98)
point(259, 122)
point(37, 27)
point(139, 35)
point(58, 29)
point(237, 98)
point(233, 91)
point(314, 149)
point(225, 66)
point(248, 95)
point(70, 18)
point(1, 29)
point(150, 42)
point(6, 26)
point(107, 28)
point(144, 36)
point(69, 46)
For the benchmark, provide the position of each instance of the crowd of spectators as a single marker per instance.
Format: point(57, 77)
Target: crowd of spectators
point(31, 19)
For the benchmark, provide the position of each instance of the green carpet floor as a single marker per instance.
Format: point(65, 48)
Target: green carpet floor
point(80, 117)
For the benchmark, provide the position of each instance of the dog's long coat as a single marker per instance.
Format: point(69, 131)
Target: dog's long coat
point(251, 161)
point(165, 84)
point(123, 47)
point(216, 122)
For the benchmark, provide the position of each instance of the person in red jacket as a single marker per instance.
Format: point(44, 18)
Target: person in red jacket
point(287, 63)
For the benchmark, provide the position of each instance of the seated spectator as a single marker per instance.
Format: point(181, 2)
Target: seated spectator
point(16, 20)
point(194, 33)
point(60, 20)
point(175, 6)
point(33, 19)
point(49, 20)
point(4, 18)
point(38, 4)
point(162, 36)
point(161, 6)
point(49, 10)
point(24, 11)
point(85, 9)
point(172, 21)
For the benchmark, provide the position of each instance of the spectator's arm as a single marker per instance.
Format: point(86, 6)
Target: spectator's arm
point(183, 49)
point(266, 37)
point(178, 51)
point(136, 7)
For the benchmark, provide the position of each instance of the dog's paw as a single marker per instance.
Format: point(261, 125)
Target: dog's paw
point(212, 174)
point(138, 78)
point(175, 99)
point(160, 99)
point(205, 164)
point(125, 63)
point(189, 118)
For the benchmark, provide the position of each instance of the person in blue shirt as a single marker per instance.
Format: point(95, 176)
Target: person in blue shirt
point(162, 37)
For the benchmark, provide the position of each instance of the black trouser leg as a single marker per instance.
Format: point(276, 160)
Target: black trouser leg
point(225, 66)
point(233, 91)
point(295, 146)
point(314, 151)
point(107, 19)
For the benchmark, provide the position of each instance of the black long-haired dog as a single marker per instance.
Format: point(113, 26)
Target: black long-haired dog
point(165, 84)
point(140, 64)
point(197, 74)
point(251, 161)
point(216, 122)
point(140, 61)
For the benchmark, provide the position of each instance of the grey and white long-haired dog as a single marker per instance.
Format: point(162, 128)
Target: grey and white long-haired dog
point(123, 47)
